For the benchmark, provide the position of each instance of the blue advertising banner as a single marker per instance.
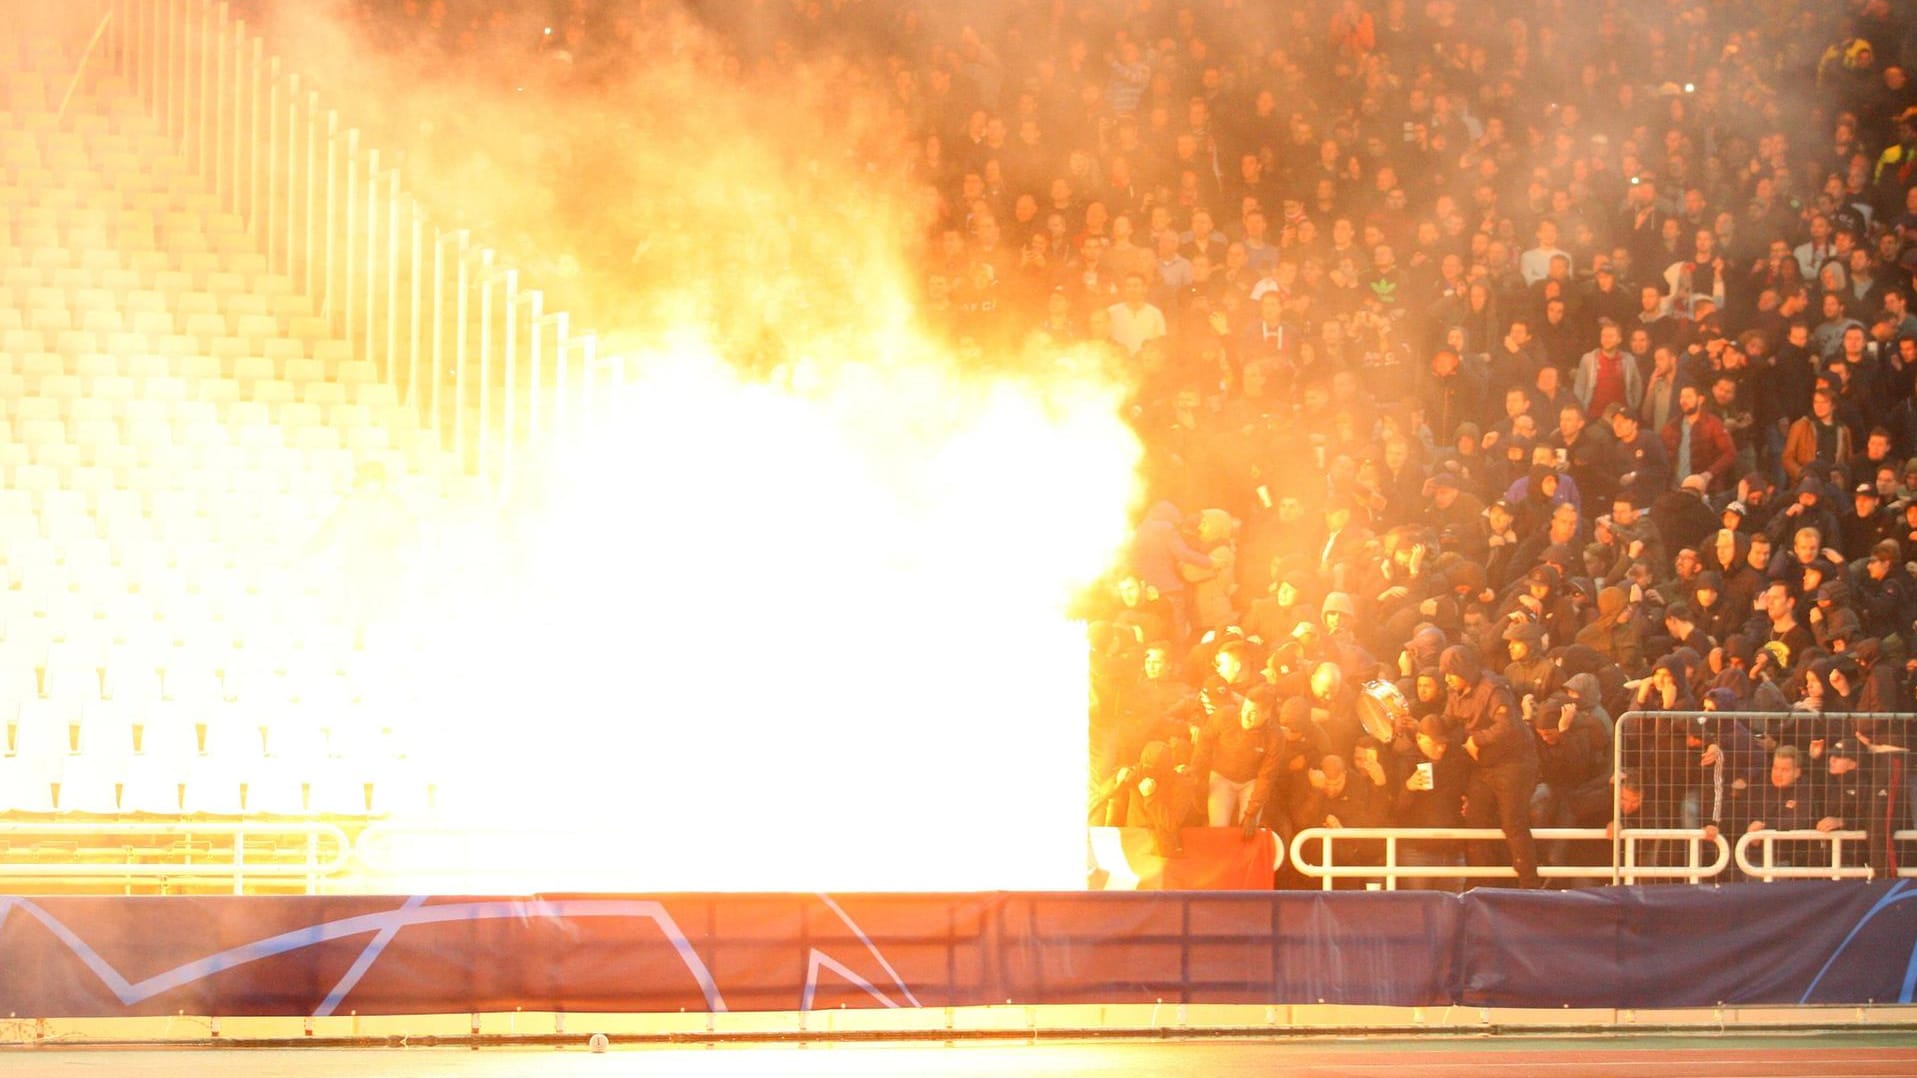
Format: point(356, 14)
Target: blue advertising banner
point(1642, 947)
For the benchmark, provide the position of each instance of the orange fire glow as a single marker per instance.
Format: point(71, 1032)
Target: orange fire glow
point(803, 627)
point(806, 633)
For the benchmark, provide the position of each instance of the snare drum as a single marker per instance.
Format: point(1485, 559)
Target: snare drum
point(1381, 705)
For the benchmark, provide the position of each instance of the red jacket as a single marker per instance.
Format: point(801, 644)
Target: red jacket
point(1711, 450)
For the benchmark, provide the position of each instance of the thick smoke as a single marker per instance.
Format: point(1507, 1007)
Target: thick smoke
point(818, 560)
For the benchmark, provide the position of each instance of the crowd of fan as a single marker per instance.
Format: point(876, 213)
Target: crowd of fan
point(1541, 362)
point(1575, 377)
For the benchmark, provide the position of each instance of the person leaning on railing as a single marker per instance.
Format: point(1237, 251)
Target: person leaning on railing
point(1857, 797)
point(1157, 792)
point(1790, 802)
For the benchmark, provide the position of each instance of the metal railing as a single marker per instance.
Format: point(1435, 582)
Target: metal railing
point(464, 343)
point(158, 852)
point(1660, 778)
point(1393, 840)
point(1764, 865)
point(1663, 795)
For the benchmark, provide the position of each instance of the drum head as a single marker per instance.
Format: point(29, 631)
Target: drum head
point(1380, 705)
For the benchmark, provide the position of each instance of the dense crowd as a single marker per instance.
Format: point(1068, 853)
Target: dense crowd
point(1535, 362)
point(1575, 377)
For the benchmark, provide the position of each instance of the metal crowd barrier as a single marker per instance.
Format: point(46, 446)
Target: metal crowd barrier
point(1756, 855)
point(325, 851)
point(1392, 840)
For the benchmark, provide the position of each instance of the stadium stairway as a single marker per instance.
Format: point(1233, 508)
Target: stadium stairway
point(174, 418)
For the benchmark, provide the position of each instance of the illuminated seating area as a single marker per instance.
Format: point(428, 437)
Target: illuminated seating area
point(176, 423)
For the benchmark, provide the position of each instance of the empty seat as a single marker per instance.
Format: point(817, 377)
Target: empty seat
point(154, 786)
point(338, 789)
point(42, 733)
point(214, 788)
point(107, 729)
point(27, 786)
point(275, 788)
point(90, 786)
point(72, 678)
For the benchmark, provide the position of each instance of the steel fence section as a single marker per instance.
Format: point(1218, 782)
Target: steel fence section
point(1741, 774)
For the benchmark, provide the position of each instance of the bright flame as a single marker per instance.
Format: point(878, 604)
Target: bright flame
point(806, 634)
point(799, 628)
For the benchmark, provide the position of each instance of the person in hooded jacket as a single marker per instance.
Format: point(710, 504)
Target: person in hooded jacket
point(1530, 671)
point(1480, 707)
point(1857, 795)
point(1541, 598)
point(1536, 495)
point(1809, 508)
point(1213, 585)
point(1155, 793)
point(1574, 770)
point(1289, 600)
point(1727, 553)
point(1716, 618)
point(1585, 691)
point(1886, 598)
point(1160, 554)
point(1615, 634)
point(1432, 797)
point(1730, 672)
point(1880, 683)
point(1731, 763)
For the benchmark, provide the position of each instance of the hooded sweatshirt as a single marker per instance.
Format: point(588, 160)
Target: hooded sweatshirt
point(1158, 550)
point(1618, 642)
point(1486, 712)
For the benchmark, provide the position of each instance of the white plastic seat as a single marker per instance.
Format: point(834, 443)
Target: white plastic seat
point(132, 672)
point(43, 732)
point(27, 786)
point(318, 439)
point(213, 788)
point(293, 734)
point(90, 787)
point(72, 678)
point(323, 393)
point(233, 734)
point(275, 788)
point(170, 733)
point(106, 729)
point(399, 790)
point(35, 409)
point(338, 789)
point(154, 786)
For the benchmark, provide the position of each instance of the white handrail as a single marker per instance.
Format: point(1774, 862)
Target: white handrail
point(1391, 871)
point(1768, 871)
point(237, 867)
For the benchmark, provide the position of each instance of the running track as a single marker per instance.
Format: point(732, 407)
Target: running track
point(1836, 1055)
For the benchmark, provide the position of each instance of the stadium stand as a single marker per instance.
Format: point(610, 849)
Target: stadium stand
point(176, 419)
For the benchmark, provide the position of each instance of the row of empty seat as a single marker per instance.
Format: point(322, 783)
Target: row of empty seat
point(177, 422)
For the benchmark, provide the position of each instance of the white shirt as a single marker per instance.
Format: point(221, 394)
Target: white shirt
point(1535, 264)
point(1131, 329)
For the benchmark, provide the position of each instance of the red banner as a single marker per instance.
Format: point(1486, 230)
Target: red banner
point(1207, 859)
